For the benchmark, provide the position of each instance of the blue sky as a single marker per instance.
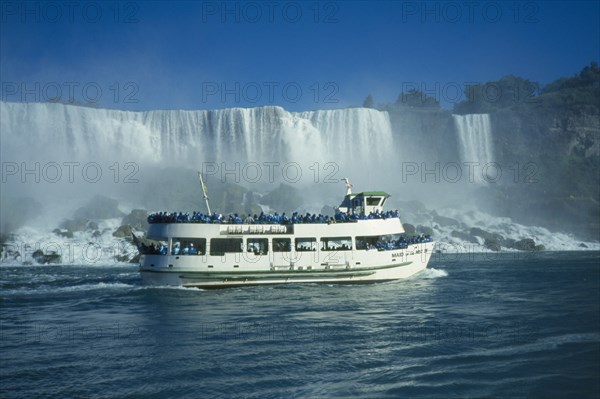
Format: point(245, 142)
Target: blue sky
point(300, 55)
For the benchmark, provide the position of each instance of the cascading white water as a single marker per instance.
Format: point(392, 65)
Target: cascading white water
point(186, 138)
point(361, 134)
point(474, 138)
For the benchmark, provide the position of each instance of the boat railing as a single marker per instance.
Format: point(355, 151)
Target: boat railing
point(263, 219)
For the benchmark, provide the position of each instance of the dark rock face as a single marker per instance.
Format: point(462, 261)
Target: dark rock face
point(99, 207)
point(137, 219)
point(464, 236)
point(476, 231)
point(284, 198)
point(424, 230)
point(409, 229)
point(77, 224)
point(547, 143)
point(69, 226)
point(65, 233)
point(492, 244)
point(445, 221)
point(45, 259)
point(527, 244)
point(122, 258)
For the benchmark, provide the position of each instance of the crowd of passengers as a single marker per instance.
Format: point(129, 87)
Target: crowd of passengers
point(275, 218)
point(152, 249)
point(381, 245)
point(400, 243)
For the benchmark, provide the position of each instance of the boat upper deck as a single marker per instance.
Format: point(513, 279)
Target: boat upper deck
point(357, 227)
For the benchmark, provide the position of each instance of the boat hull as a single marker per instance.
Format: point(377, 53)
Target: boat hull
point(374, 266)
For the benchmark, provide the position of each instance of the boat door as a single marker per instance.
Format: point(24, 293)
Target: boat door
point(282, 256)
point(337, 251)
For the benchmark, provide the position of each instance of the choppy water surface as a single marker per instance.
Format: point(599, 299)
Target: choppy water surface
point(510, 326)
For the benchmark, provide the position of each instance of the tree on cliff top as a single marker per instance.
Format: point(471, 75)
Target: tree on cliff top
point(369, 102)
point(418, 99)
point(510, 91)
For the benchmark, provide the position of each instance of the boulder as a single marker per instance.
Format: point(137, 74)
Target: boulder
point(123, 231)
point(508, 242)
point(123, 258)
point(45, 259)
point(492, 244)
point(76, 224)
point(527, 244)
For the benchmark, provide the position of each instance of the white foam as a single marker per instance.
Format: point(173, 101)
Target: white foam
point(45, 290)
point(82, 249)
point(431, 273)
point(506, 227)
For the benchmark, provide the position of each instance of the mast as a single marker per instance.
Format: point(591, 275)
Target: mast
point(348, 185)
point(204, 190)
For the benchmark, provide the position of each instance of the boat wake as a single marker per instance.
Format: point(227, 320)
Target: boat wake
point(431, 273)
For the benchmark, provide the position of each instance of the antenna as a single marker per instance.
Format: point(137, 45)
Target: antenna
point(204, 191)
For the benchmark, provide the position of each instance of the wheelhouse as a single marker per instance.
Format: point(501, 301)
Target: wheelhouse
point(364, 203)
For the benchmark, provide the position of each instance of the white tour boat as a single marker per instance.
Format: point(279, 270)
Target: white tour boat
point(362, 243)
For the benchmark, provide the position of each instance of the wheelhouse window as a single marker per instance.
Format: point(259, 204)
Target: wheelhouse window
point(188, 246)
point(336, 243)
point(282, 245)
point(306, 244)
point(373, 201)
point(221, 246)
point(258, 246)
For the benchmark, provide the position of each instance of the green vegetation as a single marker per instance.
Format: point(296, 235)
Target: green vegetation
point(550, 132)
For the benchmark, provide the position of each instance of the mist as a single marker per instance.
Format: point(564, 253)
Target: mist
point(57, 158)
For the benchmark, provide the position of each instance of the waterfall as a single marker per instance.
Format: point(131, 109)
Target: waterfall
point(57, 132)
point(474, 138)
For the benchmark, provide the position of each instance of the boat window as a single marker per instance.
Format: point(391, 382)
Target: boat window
point(336, 243)
point(366, 242)
point(258, 246)
point(306, 244)
point(282, 245)
point(373, 201)
point(220, 246)
point(188, 246)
